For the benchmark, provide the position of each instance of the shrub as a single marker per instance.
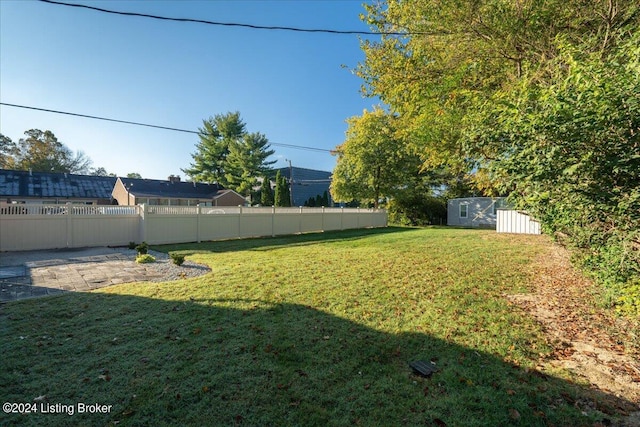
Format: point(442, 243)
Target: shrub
point(142, 248)
point(418, 209)
point(177, 259)
point(132, 245)
point(145, 259)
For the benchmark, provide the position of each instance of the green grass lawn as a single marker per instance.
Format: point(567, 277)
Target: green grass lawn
point(316, 329)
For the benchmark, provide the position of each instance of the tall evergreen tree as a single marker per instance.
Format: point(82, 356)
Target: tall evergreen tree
point(282, 196)
point(266, 193)
point(247, 159)
point(210, 159)
point(325, 199)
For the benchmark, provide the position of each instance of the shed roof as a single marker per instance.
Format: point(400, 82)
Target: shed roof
point(54, 185)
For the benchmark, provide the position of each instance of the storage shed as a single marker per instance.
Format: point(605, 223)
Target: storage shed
point(474, 211)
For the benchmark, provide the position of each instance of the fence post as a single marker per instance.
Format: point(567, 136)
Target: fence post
point(273, 221)
point(240, 222)
point(341, 218)
point(300, 220)
point(198, 213)
point(69, 221)
point(322, 216)
point(142, 210)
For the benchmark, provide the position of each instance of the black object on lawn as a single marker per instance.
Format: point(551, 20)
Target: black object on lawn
point(423, 368)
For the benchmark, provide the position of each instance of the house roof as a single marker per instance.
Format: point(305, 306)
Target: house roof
point(168, 189)
point(221, 193)
point(54, 185)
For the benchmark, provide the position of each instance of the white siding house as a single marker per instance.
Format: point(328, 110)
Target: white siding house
point(474, 211)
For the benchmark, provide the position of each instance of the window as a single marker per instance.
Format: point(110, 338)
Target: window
point(463, 210)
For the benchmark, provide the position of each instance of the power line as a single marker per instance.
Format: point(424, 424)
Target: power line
point(228, 24)
point(297, 147)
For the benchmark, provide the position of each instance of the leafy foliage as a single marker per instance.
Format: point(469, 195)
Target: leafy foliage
point(570, 152)
point(417, 209)
point(100, 171)
point(373, 163)
point(142, 248)
point(145, 259)
point(178, 259)
point(41, 151)
point(8, 151)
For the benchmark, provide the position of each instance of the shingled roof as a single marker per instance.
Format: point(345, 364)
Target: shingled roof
point(168, 189)
point(25, 184)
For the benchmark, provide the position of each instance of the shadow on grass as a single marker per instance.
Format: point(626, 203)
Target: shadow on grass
point(266, 243)
point(249, 362)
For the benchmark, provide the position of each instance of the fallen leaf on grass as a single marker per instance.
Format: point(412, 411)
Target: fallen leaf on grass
point(514, 414)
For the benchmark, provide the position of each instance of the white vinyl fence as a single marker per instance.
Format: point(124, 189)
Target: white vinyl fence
point(511, 221)
point(30, 227)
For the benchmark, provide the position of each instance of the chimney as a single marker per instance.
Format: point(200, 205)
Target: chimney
point(173, 178)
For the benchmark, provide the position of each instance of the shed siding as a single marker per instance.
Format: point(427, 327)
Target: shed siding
point(510, 221)
point(480, 212)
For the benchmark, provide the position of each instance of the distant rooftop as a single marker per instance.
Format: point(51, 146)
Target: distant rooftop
point(54, 185)
point(170, 189)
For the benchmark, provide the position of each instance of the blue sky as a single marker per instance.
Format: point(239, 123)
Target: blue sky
point(290, 86)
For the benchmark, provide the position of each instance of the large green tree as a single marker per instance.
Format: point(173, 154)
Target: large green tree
point(216, 135)
point(40, 151)
point(246, 161)
point(228, 154)
point(456, 54)
point(373, 162)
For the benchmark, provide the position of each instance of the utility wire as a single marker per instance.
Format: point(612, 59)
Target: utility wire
point(229, 24)
point(297, 147)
